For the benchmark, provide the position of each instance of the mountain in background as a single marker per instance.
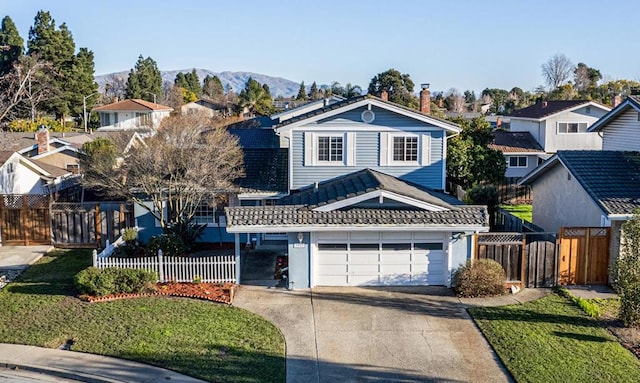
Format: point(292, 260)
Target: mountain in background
point(278, 86)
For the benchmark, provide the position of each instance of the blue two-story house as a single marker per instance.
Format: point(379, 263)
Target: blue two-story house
point(363, 203)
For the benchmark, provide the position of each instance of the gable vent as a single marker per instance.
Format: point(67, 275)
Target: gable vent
point(368, 116)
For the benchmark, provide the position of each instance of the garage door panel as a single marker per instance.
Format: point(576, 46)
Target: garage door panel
point(395, 269)
point(361, 258)
point(364, 269)
point(333, 236)
point(364, 280)
point(396, 259)
point(393, 236)
point(335, 269)
point(331, 258)
point(334, 280)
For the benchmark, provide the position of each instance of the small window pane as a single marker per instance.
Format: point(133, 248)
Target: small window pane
point(396, 246)
point(522, 162)
point(513, 162)
point(428, 246)
point(323, 148)
point(332, 246)
point(365, 246)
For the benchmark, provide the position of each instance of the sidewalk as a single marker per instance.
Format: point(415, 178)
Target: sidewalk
point(83, 367)
point(20, 257)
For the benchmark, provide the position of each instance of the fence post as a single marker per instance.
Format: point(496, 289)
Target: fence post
point(524, 259)
point(98, 226)
point(95, 257)
point(160, 266)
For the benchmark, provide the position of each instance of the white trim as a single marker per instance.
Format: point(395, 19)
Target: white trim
point(619, 217)
point(260, 196)
point(311, 152)
point(384, 148)
point(320, 228)
point(424, 149)
point(350, 148)
point(517, 166)
point(56, 150)
point(443, 186)
point(313, 254)
point(380, 104)
point(380, 194)
point(449, 258)
point(586, 130)
point(536, 154)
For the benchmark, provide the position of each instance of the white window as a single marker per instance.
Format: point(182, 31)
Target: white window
point(105, 119)
point(517, 161)
point(330, 149)
point(143, 119)
point(572, 127)
point(404, 149)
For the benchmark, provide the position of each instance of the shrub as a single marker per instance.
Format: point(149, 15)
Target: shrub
point(130, 234)
point(188, 231)
point(626, 272)
point(93, 281)
point(32, 126)
point(170, 244)
point(481, 278)
point(590, 307)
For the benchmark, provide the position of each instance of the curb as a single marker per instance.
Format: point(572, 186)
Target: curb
point(65, 374)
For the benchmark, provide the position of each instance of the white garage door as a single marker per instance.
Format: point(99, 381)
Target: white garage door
point(380, 258)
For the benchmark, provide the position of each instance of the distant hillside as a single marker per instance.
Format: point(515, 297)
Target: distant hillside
point(278, 86)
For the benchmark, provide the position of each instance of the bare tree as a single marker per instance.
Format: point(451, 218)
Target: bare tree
point(557, 70)
point(27, 85)
point(115, 87)
point(180, 166)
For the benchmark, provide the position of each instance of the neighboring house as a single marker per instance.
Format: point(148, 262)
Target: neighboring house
point(133, 114)
point(586, 188)
point(207, 108)
point(560, 125)
point(22, 175)
point(521, 151)
point(620, 128)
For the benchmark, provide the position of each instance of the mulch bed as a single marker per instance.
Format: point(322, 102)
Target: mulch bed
point(221, 293)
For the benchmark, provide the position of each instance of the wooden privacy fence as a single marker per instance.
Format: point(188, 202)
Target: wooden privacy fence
point(584, 255)
point(89, 224)
point(213, 269)
point(24, 219)
point(529, 260)
point(508, 222)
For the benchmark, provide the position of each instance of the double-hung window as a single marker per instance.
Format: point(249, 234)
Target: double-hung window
point(405, 148)
point(210, 211)
point(330, 149)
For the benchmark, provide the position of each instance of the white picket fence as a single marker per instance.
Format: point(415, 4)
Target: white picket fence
point(213, 269)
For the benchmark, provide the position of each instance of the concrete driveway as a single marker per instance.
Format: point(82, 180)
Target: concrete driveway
point(376, 334)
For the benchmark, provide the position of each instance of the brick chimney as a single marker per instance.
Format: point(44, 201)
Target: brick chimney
point(384, 95)
point(498, 122)
point(616, 100)
point(425, 99)
point(42, 139)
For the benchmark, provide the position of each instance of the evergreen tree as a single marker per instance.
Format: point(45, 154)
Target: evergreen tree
point(82, 82)
point(213, 88)
point(57, 47)
point(13, 45)
point(256, 98)
point(190, 85)
point(144, 80)
point(302, 93)
point(314, 93)
point(399, 87)
point(193, 83)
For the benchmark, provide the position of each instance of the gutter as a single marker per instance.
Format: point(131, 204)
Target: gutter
point(619, 217)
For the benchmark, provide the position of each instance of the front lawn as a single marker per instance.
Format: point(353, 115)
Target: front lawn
point(206, 340)
point(523, 212)
point(551, 340)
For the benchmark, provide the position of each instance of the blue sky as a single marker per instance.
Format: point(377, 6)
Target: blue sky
point(451, 43)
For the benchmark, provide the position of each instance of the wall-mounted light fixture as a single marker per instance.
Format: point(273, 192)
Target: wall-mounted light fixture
point(300, 237)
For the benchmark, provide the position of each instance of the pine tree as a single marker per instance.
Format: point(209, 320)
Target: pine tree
point(302, 93)
point(145, 80)
point(13, 45)
point(82, 82)
point(213, 88)
point(193, 83)
point(256, 98)
point(314, 93)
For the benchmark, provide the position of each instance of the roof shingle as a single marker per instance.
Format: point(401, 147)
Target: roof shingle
point(514, 142)
point(546, 108)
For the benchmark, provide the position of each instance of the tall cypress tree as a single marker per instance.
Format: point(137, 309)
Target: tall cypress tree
point(314, 93)
point(82, 82)
point(13, 45)
point(145, 80)
point(302, 93)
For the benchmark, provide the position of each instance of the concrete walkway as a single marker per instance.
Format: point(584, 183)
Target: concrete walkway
point(20, 257)
point(76, 366)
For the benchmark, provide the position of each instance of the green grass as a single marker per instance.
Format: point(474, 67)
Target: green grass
point(552, 340)
point(202, 339)
point(521, 211)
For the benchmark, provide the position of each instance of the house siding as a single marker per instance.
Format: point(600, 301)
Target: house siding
point(61, 159)
point(532, 163)
point(21, 181)
point(367, 155)
point(623, 133)
point(559, 201)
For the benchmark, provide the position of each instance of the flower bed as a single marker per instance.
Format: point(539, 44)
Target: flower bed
point(221, 293)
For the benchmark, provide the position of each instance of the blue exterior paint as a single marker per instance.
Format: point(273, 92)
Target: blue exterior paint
point(299, 261)
point(147, 229)
point(460, 250)
point(367, 155)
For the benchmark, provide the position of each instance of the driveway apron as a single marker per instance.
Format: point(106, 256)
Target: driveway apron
point(408, 334)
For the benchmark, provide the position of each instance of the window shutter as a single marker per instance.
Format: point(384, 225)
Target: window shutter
point(425, 150)
point(351, 148)
point(308, 149)
point(384, 149)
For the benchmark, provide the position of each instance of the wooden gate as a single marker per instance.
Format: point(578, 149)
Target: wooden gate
point(584, 255)
point(89, 224)
point(24, 220)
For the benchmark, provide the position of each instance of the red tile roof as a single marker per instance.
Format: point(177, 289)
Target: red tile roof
point(134, 104)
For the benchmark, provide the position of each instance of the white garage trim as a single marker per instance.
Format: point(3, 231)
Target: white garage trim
point(380, 258)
